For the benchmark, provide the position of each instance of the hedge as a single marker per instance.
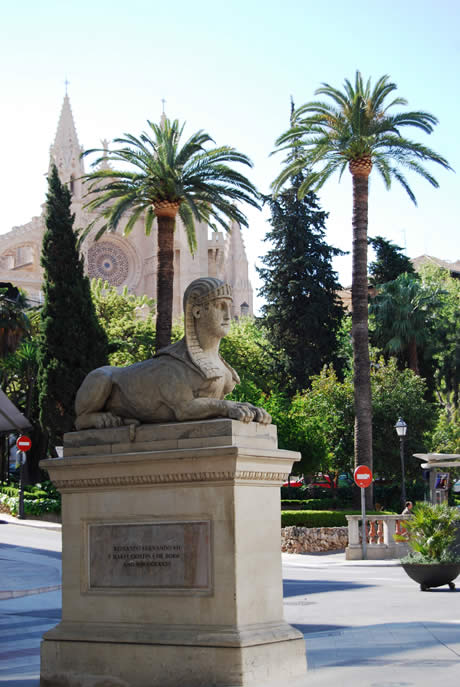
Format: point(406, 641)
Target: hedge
point(319, 518)
point(308, 504)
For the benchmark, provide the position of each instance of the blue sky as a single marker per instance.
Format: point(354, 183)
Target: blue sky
point(230, 69)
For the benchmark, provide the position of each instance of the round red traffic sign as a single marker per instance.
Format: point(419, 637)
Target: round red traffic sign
point(23, 443)
point(362, 476)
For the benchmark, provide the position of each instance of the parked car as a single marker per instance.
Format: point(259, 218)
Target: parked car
point(456, 486)
point(322, 481)
point(296, 481)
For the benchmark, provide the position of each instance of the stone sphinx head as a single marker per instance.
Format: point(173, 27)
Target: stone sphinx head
point(207, 318)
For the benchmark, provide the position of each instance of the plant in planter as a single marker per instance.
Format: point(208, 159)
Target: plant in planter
point(431, 533)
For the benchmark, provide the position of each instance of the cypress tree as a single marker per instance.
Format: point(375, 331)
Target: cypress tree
point(302, 311)
point(389, 261)
point(72, 342)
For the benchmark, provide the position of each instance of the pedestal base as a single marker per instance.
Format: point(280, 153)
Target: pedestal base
point(171, 559)
point(100, 664)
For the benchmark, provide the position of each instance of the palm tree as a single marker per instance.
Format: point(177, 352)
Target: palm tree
point(356, 129)
point(169, 179)
point(14, 323)
point(404, 312)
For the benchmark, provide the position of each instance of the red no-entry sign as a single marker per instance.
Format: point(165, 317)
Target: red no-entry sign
point(362, 476)
point(23, 443)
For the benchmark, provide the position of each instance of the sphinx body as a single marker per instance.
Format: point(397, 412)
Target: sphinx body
point(185, 381)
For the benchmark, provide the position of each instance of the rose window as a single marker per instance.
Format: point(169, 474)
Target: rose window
point(107, 261)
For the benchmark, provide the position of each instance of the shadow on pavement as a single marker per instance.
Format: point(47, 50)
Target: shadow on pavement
point(422, 643)
point(313, 629)
point(302, 587)
point(5, 548)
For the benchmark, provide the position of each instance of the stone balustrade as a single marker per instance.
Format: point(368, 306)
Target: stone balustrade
point(379, 536)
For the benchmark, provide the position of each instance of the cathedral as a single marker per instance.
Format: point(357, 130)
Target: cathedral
point(122, 260)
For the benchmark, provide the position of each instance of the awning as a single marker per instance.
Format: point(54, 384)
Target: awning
point(10, 417)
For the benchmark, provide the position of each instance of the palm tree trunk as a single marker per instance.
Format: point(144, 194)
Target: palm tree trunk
point(165, 280)
point(413, 356)
point(360, 330)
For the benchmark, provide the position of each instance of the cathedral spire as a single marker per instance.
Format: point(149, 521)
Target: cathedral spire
point(65, 151)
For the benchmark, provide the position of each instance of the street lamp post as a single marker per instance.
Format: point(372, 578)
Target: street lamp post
point(401, 431)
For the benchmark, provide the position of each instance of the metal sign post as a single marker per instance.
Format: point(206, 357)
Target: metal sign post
point(363, 519)
point(363, 478)
point(23, 444)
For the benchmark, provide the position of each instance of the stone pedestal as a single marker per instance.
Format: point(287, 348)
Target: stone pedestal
point(171, 559)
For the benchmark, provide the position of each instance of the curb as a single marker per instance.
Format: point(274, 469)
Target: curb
point(6, 519)
point(16, 594)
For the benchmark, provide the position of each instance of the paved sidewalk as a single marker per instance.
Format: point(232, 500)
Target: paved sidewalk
point(30, 596)
point(38, 524)
point(366, 624)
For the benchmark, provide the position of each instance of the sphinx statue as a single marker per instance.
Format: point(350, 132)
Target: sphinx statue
point(187, 380)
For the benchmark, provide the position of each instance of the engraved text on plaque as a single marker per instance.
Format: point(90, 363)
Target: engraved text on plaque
point(164, 555)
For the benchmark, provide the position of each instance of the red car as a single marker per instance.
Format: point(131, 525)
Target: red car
point(322, 481)
point(296, 481)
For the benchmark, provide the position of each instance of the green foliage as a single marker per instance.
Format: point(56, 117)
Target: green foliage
point(319, 518)
point(389, 261)
point(197, 178)
point(325, 415)
point(345, 344)
point(14, 323)
point(432, 530)
point(445, 334)
point(405, 313)
point(399, 393)
point(250, 351)
point(446, 434)
point(127, 320)
point(353, 124)
point(302, 310)
point(307, 504)
point(161, 177)
point(39, 499)
point(72, 342)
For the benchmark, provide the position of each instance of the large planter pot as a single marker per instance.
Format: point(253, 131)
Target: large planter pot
point(432, 575)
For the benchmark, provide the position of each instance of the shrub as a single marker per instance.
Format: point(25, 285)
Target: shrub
point(38, 499)
point(318, 518)
point(308, 504)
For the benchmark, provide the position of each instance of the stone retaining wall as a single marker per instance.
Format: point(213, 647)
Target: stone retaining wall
point(313, 539)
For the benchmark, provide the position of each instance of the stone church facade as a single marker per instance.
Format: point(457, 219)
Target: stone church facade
point(123, 260)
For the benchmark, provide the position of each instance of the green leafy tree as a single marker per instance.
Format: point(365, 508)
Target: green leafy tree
point(389, 262)
point(356, 128)
point(328, 405)
point(405, 313)
point(127, 320)
point(14, 323)
point(249, 349)
point(72, 342)
point(302, 311)
point(446, 434)
point(399, 393)
point(445, 334)
point(169, 179)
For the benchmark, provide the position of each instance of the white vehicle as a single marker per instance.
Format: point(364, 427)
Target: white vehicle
point(456, 486)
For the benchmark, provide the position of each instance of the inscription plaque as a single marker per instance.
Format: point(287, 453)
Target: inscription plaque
point(167, 555)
